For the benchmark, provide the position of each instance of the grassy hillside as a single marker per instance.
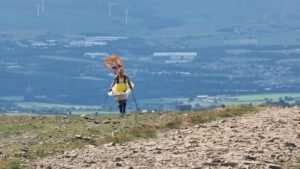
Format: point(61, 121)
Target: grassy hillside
point(26, 138)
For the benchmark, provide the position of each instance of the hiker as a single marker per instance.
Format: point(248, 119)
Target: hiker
point(113, 63)
point(123, 84)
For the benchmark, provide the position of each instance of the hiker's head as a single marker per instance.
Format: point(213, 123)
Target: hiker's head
point(121, 71)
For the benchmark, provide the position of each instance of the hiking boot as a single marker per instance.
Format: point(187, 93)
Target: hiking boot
point(122, 114)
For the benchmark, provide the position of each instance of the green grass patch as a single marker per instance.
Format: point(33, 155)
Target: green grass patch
point(14, 165)
point(211, 115)
point(174, 124)
point(10, 164)
point(297, 163)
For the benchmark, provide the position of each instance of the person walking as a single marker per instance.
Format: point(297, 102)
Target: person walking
point(122, 84)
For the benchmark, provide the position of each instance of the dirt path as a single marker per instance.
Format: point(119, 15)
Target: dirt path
point(263, 140)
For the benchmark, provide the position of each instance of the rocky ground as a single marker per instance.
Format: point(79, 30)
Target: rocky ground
point(268, 139)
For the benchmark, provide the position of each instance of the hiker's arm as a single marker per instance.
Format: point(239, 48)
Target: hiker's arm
point(113, 83)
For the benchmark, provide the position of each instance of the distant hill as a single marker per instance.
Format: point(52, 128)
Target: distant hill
point(190, 23)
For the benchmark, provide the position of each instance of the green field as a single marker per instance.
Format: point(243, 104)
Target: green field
point(261, 97)
point(256, 99)
point(50, 105)
point(12, 98)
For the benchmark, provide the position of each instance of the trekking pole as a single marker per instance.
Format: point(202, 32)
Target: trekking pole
point(106, 97)
point(137, 108)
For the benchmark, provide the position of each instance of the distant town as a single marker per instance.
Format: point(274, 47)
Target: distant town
point(60, 72)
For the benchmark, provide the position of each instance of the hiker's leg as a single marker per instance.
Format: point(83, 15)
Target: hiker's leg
point(124, 106)
point(120, 106)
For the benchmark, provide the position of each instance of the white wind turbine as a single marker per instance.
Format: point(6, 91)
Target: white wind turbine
point(43, 5)
point(38, 9)
point(110, 5)
point(126, 14)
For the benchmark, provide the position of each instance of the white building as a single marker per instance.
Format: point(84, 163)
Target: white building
point(176, 57)
point(94, 55)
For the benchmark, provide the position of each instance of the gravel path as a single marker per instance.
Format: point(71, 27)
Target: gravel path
point(266, 139)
